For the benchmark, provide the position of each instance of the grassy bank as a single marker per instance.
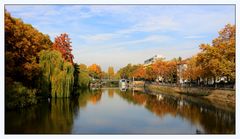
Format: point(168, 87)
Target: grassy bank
point(220, 98)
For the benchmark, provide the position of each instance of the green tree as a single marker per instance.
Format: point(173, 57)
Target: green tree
point(84, 77)
point(57, 74)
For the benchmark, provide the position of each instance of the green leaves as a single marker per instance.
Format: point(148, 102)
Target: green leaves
point(57, 73)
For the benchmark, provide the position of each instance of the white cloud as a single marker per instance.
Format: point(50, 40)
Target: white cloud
point(97, 37)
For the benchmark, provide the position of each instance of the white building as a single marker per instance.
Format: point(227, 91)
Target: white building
point(152, 60)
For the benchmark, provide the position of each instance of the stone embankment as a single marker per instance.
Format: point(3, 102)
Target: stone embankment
point(220, 98)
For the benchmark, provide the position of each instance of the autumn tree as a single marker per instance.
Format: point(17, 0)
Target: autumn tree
point(218, 59)
point(226, 44)
point(110, 72)
point(160, 68)
point(150, 75)
point(95, 71)
point(125, 72)
point(62, 44)
point(171, 73)
point(22, 46)
point(193, 71)
point(139, 72)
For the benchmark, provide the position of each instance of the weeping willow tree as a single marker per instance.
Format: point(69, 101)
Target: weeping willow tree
point(57, 74)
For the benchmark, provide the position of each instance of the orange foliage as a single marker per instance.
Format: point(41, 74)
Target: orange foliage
point(95, 71)
point(139, 72)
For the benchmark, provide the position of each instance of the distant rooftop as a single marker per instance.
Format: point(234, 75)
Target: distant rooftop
point(152, 59)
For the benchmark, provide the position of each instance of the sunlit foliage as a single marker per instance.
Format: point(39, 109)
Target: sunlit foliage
point(95, 71)
point(22, 45)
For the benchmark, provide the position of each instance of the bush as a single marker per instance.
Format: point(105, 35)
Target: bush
point(19, 96)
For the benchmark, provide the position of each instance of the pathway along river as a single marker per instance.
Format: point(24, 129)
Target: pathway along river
point(111, 111)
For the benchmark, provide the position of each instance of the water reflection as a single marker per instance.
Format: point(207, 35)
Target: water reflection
point(53, 117)
point(211, 119)
point(106, 111)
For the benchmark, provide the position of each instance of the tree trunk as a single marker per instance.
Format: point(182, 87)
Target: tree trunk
point(215, 85)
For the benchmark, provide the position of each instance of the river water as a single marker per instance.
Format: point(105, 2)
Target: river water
point(112, 111)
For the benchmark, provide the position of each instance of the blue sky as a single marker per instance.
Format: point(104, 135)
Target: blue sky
point(115, 35)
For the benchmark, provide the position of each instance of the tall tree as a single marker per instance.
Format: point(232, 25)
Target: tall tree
point(193, 70)
point(139, 72)
point(57, 74)
point(110, 72)
point(160, 68)
point(62, 43)
point(22, 46)
point(171, 73)
point(218, 59)
point(76, 75)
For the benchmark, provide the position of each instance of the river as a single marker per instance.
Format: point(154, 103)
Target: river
point(112, 111)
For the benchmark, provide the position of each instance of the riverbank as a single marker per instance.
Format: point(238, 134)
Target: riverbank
point(219, 98)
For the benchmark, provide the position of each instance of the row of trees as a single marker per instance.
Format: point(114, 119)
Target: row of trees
point(162, 70)
point(35, 66)
point(214, 61)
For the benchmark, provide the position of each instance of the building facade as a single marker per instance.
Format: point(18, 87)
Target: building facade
point(152, 60)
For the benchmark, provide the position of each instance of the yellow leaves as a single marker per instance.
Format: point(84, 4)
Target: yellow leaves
point(95, 71)
point(95, 68)
point(217, 60)
point(193, 71)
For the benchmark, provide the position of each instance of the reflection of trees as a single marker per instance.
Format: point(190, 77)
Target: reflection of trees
point(53, 117)
point(89, 96)
point(111, 93)
point(57, 116)
point(95, 98)
point(212, 120)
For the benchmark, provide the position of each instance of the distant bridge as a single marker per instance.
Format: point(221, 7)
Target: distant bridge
point(109, 80)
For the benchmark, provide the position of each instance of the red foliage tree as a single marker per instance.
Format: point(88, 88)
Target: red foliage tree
point(62, 44)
